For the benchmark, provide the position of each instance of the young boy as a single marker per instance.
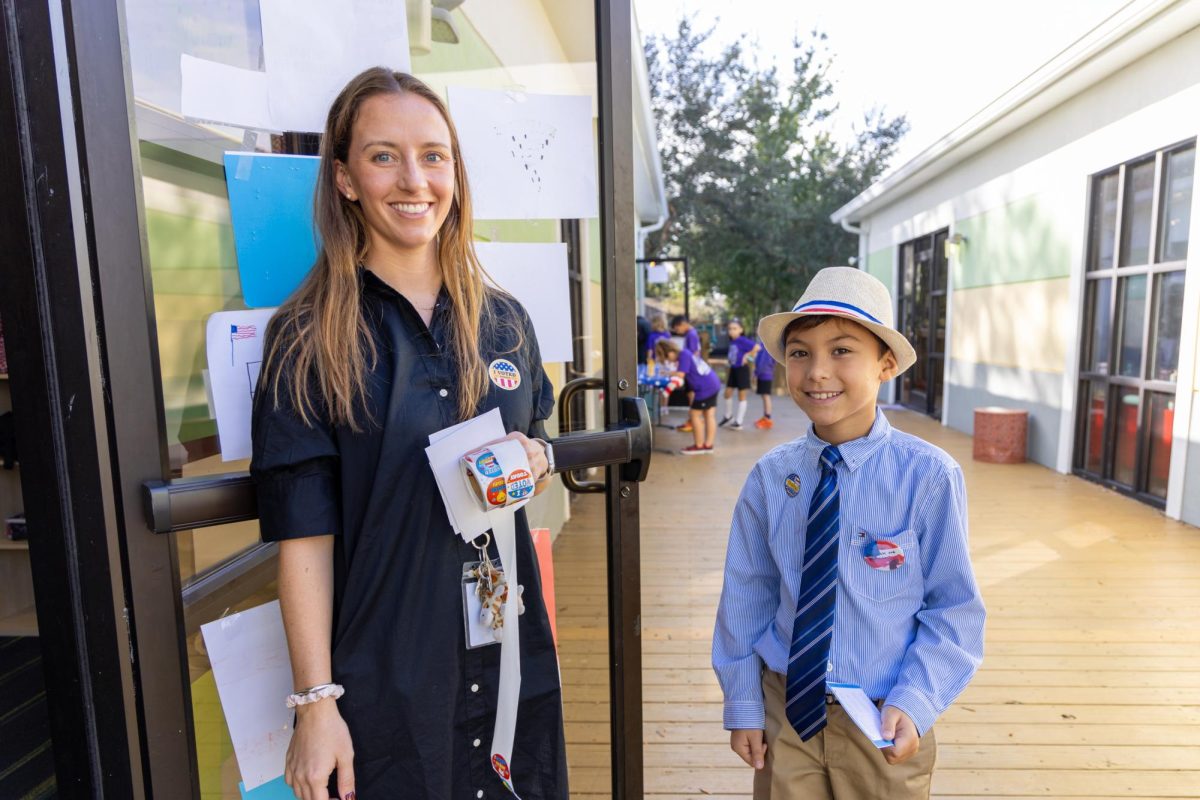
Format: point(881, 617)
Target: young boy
point(742, 350)
point(680, 326)
point(703, 386)
point(764, 385)
point(847, 563)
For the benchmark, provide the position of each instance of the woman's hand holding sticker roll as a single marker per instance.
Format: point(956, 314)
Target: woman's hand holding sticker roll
point(539, 465)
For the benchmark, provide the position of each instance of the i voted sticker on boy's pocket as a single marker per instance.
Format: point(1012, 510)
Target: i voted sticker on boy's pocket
point(883, 555)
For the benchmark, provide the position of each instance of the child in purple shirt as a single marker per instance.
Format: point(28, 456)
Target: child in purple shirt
point(764, 374)
point(691, 337)
point(658, 332)
point(704, 386)
point(742, 350)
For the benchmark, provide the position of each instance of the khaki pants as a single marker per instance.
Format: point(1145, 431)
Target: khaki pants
point(839, 763)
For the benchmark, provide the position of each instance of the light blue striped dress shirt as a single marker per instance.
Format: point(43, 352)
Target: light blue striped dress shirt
point(914, 635)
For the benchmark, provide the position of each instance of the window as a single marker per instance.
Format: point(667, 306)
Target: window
point(1133, 306)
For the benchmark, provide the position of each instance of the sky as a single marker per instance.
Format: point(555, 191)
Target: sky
point(936, 61)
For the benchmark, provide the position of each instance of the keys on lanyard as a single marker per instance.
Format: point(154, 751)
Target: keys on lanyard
point(491, 587)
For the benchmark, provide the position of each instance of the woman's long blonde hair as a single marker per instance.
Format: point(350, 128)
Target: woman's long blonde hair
point(320, 348)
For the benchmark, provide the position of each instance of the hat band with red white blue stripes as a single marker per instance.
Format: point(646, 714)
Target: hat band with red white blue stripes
point(834, 307)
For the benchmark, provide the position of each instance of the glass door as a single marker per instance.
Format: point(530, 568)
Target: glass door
point(1133, 307)
point(163, 261)
point(922, 313)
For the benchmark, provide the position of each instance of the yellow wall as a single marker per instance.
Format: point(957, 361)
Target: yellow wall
point(1022, 325)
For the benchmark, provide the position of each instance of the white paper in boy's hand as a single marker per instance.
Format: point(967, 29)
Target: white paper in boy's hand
point(445, 452)
point(860, 708)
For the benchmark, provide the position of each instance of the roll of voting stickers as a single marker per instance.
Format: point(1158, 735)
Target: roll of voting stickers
point(499, 475)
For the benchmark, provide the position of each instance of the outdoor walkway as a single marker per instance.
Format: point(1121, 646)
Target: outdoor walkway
point(1091, 680)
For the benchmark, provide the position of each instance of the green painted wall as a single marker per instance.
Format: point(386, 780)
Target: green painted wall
point(542, 231)
point(1015, 243)
point(881, 263)
point(193, 267)
point(471, 52)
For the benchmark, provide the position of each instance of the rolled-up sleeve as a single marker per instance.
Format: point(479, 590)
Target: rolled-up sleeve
point(295, 470)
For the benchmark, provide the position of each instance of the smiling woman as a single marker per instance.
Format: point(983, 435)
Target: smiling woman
point(392, 337)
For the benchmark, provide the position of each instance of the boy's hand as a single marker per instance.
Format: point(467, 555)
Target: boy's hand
point(903, 731)
point(750, 745)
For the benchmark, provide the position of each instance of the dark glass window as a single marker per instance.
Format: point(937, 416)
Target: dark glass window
point(1177, 205)
point(1135, 225)
point(1104, 221)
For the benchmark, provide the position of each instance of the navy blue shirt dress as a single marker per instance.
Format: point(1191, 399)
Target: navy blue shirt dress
point(419, 705)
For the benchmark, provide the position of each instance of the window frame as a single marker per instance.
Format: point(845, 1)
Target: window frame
point(1117, 274)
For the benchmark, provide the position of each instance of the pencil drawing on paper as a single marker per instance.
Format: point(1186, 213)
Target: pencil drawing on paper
point(528, 141)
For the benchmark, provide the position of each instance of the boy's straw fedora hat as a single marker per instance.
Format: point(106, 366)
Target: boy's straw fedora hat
point(842, 292)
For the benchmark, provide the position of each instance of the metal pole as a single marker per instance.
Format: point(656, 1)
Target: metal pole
point(614, 49)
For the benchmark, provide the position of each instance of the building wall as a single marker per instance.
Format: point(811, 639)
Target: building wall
point(882, 264)
point(1016, 281)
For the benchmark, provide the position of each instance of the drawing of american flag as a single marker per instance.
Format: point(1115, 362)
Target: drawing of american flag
point(242, 332)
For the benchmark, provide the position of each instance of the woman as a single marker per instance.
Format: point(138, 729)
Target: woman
point(394, 336)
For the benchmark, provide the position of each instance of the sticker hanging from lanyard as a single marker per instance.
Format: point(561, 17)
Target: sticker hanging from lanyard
point(499, 478)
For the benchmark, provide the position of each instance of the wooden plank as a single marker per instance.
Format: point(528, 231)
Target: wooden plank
point(20, 623)
point(950, 756)
point(1090, 686)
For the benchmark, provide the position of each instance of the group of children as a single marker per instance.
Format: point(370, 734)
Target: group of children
point(847, 568)
point(703, 385)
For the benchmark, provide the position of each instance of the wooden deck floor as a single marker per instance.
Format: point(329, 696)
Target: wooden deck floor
point(1091, 681)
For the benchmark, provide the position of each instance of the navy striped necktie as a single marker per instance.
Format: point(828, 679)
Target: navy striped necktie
point(812, 630)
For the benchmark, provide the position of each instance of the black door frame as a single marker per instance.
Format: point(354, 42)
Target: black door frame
point(48, 300)
point(614, 63)
point(83, 350)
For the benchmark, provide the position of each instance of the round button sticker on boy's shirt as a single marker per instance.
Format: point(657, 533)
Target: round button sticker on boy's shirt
point(884, 555)
point(504, 374)
point(791, 485)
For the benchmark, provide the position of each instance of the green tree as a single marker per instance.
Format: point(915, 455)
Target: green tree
point(752, 170)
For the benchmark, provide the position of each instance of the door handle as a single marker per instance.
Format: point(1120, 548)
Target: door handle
point(182, 504)
point(628, 442)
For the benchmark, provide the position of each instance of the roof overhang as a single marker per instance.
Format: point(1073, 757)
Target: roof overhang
point(649, 187)
point(1129, 34)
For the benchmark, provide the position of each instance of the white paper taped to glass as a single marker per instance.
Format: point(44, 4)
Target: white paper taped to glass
point(470, 465)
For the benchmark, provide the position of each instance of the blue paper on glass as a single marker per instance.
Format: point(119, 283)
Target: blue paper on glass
point(271, 204)
point(271, 790)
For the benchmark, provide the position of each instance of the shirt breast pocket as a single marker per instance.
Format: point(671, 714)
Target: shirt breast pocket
point(883, 577)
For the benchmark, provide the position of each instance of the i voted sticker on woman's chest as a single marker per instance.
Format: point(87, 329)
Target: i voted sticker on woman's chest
point(883, 555)
point(504, 374)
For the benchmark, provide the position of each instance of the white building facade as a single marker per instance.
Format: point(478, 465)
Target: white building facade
point(1041, 256)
